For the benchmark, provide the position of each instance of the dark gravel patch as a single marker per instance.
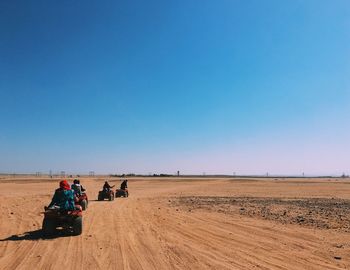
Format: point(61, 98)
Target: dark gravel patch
point(321, 213)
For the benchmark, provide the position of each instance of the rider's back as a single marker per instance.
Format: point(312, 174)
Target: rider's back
point(64, 199)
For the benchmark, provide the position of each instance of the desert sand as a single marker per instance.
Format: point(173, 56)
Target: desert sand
point(175, 223)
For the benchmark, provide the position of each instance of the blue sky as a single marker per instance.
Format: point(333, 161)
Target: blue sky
point(160, 86)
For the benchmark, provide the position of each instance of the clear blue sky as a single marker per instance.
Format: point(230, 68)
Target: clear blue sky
point(160, 86)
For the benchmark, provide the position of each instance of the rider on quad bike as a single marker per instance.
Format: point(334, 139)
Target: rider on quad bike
point(124, 185)
point(77, 187)
point(123, 191)
point(79, 191)
point(106, 192)
point(62, 212)
point(107, 187)
point(63, 197)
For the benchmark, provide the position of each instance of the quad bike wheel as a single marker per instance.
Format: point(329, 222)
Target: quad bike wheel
point(49, 227)
point(78, 226)
point(84, 204)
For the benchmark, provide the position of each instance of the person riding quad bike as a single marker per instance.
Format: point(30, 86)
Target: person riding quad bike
point(124, 185)
point(106, 192)
point(63, 197)
point(62, 212)
point(107, 187)
point(123, 191)
point(77, 187)
point(80, 195)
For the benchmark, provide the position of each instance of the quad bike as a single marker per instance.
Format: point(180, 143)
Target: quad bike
point(69, 220)
point(105, 194)
point(82, 200)
point(122, 193)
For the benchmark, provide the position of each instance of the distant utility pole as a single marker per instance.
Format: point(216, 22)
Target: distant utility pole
point(63, 174)
point(234, 174)
point(91, 173)
point(267, 174)
point(50, 173)
point(303, 174)
point(178, 173)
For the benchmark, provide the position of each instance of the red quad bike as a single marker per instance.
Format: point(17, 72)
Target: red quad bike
point(69, 220)
point(122, 193)
point(103, 194)
point(82, 200)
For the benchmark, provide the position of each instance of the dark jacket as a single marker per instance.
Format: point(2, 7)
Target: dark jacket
point(106, 186)
point(124, 185)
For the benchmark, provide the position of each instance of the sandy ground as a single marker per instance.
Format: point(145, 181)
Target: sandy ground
point(184, 224)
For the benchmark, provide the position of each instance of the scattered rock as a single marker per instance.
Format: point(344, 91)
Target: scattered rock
point(300, 219)
point(337, 257)
point(321, 213)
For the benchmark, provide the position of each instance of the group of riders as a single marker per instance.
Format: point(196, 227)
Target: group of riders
point(107, 187)
point(66, 196)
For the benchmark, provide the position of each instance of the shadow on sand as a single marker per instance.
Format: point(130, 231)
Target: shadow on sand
point(105, 200)
point(36, 235)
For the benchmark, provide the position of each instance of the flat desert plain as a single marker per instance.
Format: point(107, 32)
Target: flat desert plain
point(183, 223)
